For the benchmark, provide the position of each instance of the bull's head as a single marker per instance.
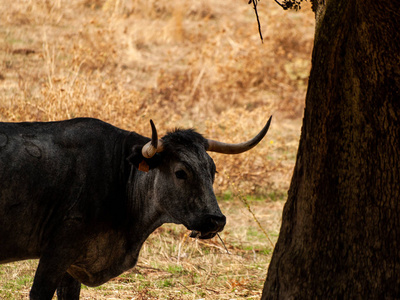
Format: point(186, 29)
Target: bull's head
point(185, 175)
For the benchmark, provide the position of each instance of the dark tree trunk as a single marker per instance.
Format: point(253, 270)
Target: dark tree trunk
point(340, 235)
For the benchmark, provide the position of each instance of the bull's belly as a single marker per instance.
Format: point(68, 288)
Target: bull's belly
point(17, 241)
point(21, 226)
point(11, 251)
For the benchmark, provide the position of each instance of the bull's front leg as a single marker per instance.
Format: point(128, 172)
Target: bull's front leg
point(48, 276)
point(69, 288)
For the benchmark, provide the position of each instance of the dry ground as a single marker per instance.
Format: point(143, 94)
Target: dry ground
point(184, 64)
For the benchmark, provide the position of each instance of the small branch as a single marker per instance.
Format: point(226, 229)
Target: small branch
point(255, 2)
point(223, 243)
point(244, 201)
point(290, 4)
point(286, 4)
point(185, 287)
point(281, 5)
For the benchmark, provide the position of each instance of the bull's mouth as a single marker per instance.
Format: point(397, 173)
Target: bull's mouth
point(209, 227)
point(202, 235)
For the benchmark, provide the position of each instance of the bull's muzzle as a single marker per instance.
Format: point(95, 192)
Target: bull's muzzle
point(212, 225)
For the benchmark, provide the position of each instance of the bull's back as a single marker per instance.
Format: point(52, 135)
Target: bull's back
point(47, 171)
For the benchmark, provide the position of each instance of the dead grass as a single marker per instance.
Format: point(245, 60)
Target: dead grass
point(183, 64)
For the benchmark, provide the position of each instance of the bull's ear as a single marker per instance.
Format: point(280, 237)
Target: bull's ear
point(143, 164)
point(136, 157)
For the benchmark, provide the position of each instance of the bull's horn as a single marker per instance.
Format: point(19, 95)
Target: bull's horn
point(154, 146)
point(220, 147)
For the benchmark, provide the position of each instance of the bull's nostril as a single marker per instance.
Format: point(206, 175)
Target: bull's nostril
point(218, 222)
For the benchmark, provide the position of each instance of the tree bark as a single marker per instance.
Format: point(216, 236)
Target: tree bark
point(340, 234)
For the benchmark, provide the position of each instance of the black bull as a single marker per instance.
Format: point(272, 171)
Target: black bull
point(74, 194)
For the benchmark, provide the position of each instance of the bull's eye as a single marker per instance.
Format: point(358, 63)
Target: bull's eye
point(180, 174)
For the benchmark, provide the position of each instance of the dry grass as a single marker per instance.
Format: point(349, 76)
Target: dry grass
point(184, 64)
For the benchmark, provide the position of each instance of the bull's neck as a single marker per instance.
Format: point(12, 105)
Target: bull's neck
point(143, 211)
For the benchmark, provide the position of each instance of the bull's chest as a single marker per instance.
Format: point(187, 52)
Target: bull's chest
point(106, 256)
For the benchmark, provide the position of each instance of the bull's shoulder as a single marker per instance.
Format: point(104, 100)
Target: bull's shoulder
point(83, 127)
point(86, 128)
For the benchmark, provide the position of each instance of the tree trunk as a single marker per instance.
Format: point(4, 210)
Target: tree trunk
point(340, 234)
